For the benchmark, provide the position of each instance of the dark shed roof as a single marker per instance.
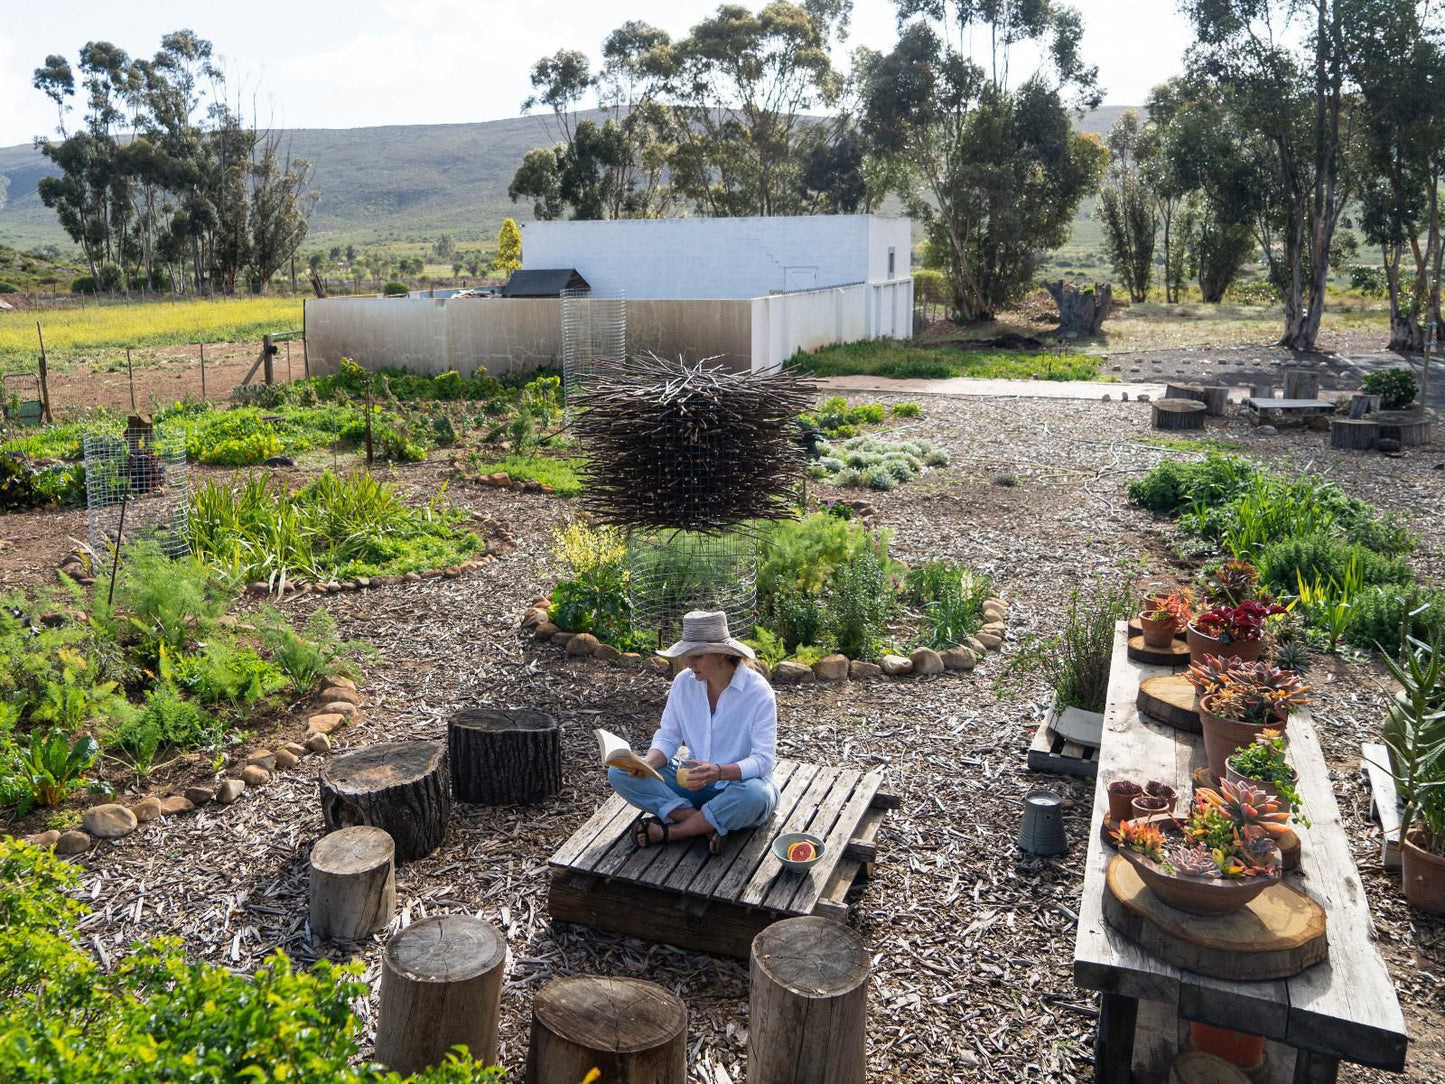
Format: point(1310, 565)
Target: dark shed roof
point(549, 282)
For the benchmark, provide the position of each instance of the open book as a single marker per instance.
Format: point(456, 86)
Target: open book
point(616, 753)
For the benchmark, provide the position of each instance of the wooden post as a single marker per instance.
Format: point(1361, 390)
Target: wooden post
point(1114, 1041)
point(305, 353)
point(808, 1004)
point(203, 371)
point(441, 985)
point(1177, 414)
point(353, 883)
point(1215, 399)
point(288, 361)
point(1301, 384)
point(268, 351)
point(130, 373)
point(501, 756)
point(400, 788)
point(631, 1031)
point(44, 378)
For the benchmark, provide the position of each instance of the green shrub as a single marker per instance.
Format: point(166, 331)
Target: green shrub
point(949, 599)
point(1378, 614)
point(1074, 662)
point(797, 617)
point(8, 288)
point(395, 289)
point(25, 485)
point(226, 673)
point(905, 410)
point(860, 602)
point(167, 720)
point(1395, 387)
point(800, 555)
point(1284, 565)
point(304, 657)
point(1369, 282)
point(1174, 487)
point(82, 284)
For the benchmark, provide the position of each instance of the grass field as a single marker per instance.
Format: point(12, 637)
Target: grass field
point(904, 360)
point(76, 335)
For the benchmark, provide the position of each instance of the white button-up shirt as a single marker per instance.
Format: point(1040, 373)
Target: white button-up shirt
point(743, 730)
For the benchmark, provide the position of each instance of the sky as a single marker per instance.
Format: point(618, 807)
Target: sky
point(356, 63)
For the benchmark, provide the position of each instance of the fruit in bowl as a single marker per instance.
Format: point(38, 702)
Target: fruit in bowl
point(798, 850)
point(801, 851)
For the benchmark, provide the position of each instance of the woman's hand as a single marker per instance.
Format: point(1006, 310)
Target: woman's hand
point(701, 773)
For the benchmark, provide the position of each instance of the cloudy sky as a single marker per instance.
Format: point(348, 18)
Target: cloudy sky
point(354, 63)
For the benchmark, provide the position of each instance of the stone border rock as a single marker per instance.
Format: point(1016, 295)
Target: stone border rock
point(340, 704)
point(922, 661)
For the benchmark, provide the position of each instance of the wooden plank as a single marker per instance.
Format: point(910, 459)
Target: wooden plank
point(580, 840)
point(681, 877)
point(835, 842)
point(725, 881)
point(751, 890)
point(1346, 1007)
point(779, 887)
point(833, 900)
point(1076, 725)
point(1385, 804)
point(1052, 752)
point(611, 846)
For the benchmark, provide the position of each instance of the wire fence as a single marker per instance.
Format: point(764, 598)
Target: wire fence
point(137, 488)
point(672, 572)
point(594, 334)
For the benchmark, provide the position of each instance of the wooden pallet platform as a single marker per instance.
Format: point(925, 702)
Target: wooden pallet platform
point(1055, 752)
point(681, 895)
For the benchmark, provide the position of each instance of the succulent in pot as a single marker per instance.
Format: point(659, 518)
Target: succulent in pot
point(1231, 630)
point(1234, 582)
point(1262, 764)
point(1122, 793)
point(1415, 735)
point(1240, 699)
point(1164, 616)
point(1156, 789)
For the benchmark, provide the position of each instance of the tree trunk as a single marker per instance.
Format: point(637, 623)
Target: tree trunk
point(441, 985)
point(633, 1032)
point(353, 883)
point(808, 1004)
point(400, 788)
point(1177, 414)
point(1301, 384)
point(1354, 434)
point(1081, 312)
point(504, 756)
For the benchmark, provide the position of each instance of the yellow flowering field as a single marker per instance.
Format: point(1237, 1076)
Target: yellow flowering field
point(77, 334)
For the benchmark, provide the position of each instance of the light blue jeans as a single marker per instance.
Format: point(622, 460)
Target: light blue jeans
point(744, 804)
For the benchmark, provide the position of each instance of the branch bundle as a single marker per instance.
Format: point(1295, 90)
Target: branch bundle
point(695, 447)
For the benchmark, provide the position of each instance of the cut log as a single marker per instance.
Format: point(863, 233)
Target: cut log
point(808, 1004)
point(353, 883)
point(1170, 699)
point(1216, 399)
point(1175, 654)
point(1184, 391)
point(1177, 414)
point(501, 756)
point(441, 985)
point(1403, 425)
point(1301, 384)
point(1081, 312)
point(631, 1031)
point(1361, 404)
point(400, 788)
point(1354, 435)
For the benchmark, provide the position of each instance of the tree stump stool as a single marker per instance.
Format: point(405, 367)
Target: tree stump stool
point(1177, 414)
point(501, 756)
point(353, 883)
point(634, 1032)
point(441, 985)
point(1403, 425)
point(1301, 384)
point(1357, 435)
point(399, 788)
point(808, 1004)
point(1362, 404)
point(1184, 391)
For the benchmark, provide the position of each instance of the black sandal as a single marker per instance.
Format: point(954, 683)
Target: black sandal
point(641, 838)
point(714, 843)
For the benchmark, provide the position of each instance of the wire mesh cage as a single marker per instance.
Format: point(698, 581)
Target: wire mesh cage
point(137, 488)
point(672, 572)
point(594, 333)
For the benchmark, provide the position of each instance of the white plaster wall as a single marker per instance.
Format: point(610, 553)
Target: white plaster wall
point(720, 257)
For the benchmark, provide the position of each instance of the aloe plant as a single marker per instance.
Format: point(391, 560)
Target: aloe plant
point(1416, 738)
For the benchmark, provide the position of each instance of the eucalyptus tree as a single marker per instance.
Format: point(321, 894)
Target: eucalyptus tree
point(1127, 208)
point(994, 169)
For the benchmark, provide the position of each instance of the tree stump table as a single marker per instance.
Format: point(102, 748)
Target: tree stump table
point(400, 788)
point(808, 1004)
point(633, 1032)
point(353, 883)
point(502, 756)
point(1177, 414)
point(1353, 434)
point(1406, 426)
point(441, 985)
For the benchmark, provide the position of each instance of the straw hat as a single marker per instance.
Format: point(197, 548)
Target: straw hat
point(706, 632)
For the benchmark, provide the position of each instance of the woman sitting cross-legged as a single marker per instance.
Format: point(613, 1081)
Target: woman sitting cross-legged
point(725, 714)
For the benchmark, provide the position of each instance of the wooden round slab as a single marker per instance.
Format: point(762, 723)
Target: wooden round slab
point(1171, 699)
point(1276, 935)
point(1176, 654)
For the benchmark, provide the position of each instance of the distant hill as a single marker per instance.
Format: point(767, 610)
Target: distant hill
point(396, 183)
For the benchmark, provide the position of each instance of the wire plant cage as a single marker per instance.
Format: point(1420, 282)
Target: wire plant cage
point(142, 477)
point(594, 334)
point(672, 572)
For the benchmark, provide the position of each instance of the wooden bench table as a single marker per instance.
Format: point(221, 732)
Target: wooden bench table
point(1344, 1009)
point(1264, 408)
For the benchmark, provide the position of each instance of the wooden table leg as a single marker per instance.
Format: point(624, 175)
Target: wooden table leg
point(1114, 1044)
point(1311, 1068)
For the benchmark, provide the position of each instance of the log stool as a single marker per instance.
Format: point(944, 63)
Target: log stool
point(353, 883)
point(634, 1032)
point(400, 788)
point(808, 1004)
point(1301, 384)
point(441, 985)
point(501, 756)
point(1177, 414)
point(1215, 397)
point(1355, 434)
point(1362, 404)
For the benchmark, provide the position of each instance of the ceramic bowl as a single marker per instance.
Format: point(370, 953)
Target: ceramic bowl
point(787, 839)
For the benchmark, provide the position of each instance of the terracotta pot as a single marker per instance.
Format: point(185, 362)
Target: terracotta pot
point(1201, 645)
point(1158, 633)
point(1422, 874)
point(1223, 736)
point(1146, 806)
point(1236, 1047)
point(1266, 786)
point(1122, 793)
point(1206, 896)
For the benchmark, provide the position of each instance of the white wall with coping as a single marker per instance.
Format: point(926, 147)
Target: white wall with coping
point(783, 324)
point(679, 258)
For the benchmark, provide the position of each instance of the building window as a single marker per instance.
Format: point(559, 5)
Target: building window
point(891, 253)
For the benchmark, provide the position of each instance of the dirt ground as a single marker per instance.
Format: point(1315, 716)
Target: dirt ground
point(971, 939)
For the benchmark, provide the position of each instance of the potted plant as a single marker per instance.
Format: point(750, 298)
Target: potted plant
point(1415, 736)
point(1234, 582)
point(1122, 793)
point(1165, 616)
point(1215, 861)
point(1262, 764)
point(1238, 700)
point(1148, 805)
point(1231, 631)
point(1156, 789)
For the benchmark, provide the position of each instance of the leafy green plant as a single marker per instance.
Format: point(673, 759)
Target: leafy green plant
point(225, 673)
point(768, 647)
point(800, 555)
point(797, 616)
point(305, 657)
point(1415, 735)
point(1263, 761)
point(1378, 615)
point(860, 602)
point(1075, 661)
point(949, 598)
point(167, 719)
point(907, 409)
point(1395, 387)
point(50, 765)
